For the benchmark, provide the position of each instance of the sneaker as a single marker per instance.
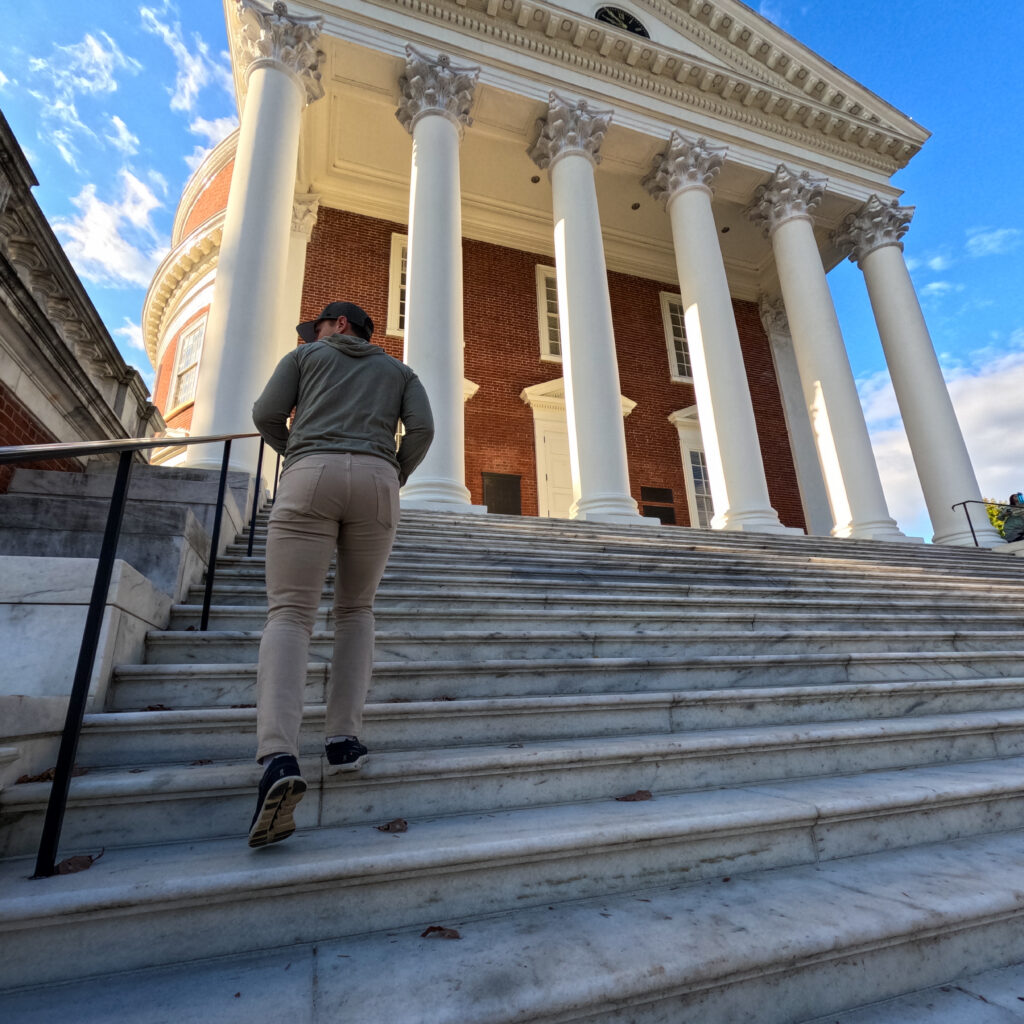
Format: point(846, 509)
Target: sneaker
point(281, 788)
point(346, 755)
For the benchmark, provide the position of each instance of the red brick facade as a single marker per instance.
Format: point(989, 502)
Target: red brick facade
point(349, 257)
point(211, 200)
point(18, 426)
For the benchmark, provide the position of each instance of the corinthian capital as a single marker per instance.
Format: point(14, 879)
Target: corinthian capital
point(785, 197)
point(304, 211)
point(569, 127)
point(272, 36)
point(684, 164)
point(773, 317)
point(875, 224)
point(433, 85)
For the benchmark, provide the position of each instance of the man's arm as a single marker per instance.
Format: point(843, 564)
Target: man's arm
point(419, 427)
point(271, 411)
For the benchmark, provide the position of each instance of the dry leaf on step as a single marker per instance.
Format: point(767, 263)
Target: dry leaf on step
point(81, 862)
point(435, 931)
point(640, 794)
point(398, 825)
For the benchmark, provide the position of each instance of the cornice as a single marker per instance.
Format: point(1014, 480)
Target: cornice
point(188, 261)
point(766, 101)
point(216, 160)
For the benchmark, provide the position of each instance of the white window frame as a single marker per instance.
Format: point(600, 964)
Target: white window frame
point(547, 340)
point(668, 299)
point(199, 327)
point(687, 425)
point(397, 285)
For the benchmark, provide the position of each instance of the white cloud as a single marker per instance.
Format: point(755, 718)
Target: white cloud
point(86, 67)
point(938, 288)
point(115, 243)
point(983, 242)
point(122, 138)
point(772, 10)
point(912, 263)
point(131, 332)
point(940, 263)
point(213, 131)
point(3, 79)
point(196, 68)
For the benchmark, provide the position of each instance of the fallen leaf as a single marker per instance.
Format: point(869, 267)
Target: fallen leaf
point(238, 995)
point(81, 862)
point(728, 878)
point(640, 794)
point(202, 760)
point(243, 705)
point(190, 629)
point(136, 771)
point(398, 825)
point(156, 707)
point(48, 775)
point(435, 931)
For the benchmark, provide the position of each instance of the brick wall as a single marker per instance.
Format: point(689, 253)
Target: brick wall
point(18, 426)
point(211, 200)
point(349, 258)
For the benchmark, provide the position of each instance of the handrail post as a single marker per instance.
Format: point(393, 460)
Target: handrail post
point(54, 820)
point(256, 497)
point(967, 512)
point(211, 568)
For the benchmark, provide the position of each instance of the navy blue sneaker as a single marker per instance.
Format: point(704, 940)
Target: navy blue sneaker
point(281, 789)
point(346, 755)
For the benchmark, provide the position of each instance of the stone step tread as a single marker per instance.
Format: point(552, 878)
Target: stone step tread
point(544, 755)
point(553, 961)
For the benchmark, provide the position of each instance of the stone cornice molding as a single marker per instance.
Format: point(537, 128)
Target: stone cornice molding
point(274, 38)
point(683, 418)
point(569, 127)
point(773, 317)
point(186, 263)
point(825, 120)
point(786, 197)
point(549, 396)
point(686, 163)
point(304, 212)
point(874, 225)
point(6, 191)
point(434, 85)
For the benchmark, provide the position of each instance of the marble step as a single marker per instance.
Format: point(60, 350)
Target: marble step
point(781, 865)
point(164, 803)
point(134, 738)
point(137, 687)
point(178, 647)
point(642, 618)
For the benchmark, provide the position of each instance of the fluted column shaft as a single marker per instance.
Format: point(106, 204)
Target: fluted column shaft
point(240, 350)
point(683, 175)
point(436, 98)
point(841, 434)
point(568, 146)
point(936, 441)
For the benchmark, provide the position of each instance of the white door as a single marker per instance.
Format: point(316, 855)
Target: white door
point(553, 471)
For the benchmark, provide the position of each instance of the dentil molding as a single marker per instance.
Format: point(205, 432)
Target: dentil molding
point(785, 197)
point(874, 225)
point(686, 163)
point(570, 126)
point(276, 38)
point(434, 85)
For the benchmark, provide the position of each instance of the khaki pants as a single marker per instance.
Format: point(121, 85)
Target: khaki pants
point(324, 502)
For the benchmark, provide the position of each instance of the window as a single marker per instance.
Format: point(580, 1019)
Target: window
point(699, 502)
point(675, 337)
point(396, 287)
point(701, 489)
point(190, 348)
point(656, 503)
point(503, 493)
point(547, 315)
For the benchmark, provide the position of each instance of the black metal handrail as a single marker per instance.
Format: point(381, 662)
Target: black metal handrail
point(46, 858)
point(977, 501)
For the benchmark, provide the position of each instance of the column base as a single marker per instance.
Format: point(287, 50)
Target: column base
point(434, 491)
point(618, 520)
point(755, 521)
point(987, 538)
point(877, 529)
point(421, 504)
point(605, 508)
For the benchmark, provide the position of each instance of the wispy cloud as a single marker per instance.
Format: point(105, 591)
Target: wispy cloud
point(936, 289)
point(196, 67)
point(213, 131)
point(123, 139)
point(113, 243)
point(3, 79)
point(772, 10)
point(131, 332)
point(986, 242)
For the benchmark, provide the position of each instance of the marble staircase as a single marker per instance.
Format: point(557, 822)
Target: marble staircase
point(832, 734)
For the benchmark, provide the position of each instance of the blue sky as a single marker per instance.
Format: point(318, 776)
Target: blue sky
point(115, 102)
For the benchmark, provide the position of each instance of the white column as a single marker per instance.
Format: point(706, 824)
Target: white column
point(783, 209)
point(683, 176)
point(813, 495)
point(279, 60)
point(936, 442)
point(570, 137)
point(304, 213)
point(436, 97)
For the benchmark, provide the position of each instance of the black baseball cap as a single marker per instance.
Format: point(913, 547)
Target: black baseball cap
point(357, 317)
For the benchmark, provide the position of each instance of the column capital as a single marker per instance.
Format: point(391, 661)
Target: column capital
point(686, 163)
point(874, 225)
point(273, 37)
point(304, 211)
point(434, 85)
point(773, 317)
point(786, 197)
point(570, 126)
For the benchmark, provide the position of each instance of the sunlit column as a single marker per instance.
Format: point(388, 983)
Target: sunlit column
point(277, 55)
point(783, 209)
point(683, 176)
point(304, 213)
point(944, 467)
point(436, 97)
point(570, 138)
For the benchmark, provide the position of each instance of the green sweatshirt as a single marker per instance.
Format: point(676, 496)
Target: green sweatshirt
point(348, 396)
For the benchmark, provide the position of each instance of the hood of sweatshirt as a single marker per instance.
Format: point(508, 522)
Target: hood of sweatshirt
point(353, 346)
